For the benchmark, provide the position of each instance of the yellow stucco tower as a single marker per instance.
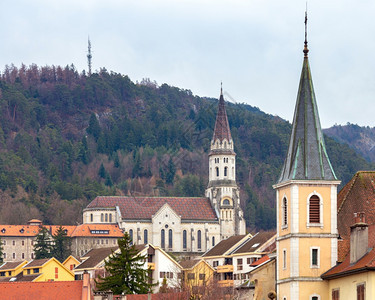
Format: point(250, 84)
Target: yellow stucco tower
point(306, 197)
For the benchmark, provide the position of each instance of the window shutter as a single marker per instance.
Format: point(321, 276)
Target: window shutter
point(314, 209)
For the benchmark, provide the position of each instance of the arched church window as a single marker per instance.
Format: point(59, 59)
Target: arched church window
point(225, 171)
point(314, 209)
point(170, 239)
point(199, 238)
point(184, 239)
point(230, 215)
point(131, 235)
point(217, 172)
point(213, 241)
point(145, 236)
point(91, 218)
point(102, 218)
point(226, 202)
point(162, 239)
point(285, 211)
point(106, 217)
point(110, 218)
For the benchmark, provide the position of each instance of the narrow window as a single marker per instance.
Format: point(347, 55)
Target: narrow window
point(361, 292)
point(199, 240)
point(314, 209)
point(314, 257)
point(336, 294)
point(91, 218)
point(110, 218)
point(213, 241)
point(14, 255)
point(23, 255)
point(285, 212)
point(106, 217)
point(225, 171)
point(170, 239)
point(184, 239)
point(131, 235)
point(145, 236)
point(284, 259)
point(102, 218)
point(162, 238)
point(217, 172)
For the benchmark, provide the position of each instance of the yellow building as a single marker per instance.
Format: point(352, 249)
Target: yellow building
point(197, 275)
point(11, 269)
point(48, 269)
point(306, 196)
point(71, 262)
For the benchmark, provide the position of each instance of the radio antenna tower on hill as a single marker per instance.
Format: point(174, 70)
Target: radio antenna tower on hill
point(89, 56)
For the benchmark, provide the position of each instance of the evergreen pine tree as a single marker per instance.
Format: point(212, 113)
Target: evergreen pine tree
point(125, 269)
point(102, 172)
point(94, 127)
point(170, 172)
point(61, 248)
point(43, 247)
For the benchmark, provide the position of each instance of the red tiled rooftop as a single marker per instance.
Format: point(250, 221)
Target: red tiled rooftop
point(365, 263)
point(260, 261)
point(358, 195)
point(87, 230)
point(57, 290)
point(189, 208)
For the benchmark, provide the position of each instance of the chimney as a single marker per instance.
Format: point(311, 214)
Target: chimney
point(358, 237)
point(86, 286)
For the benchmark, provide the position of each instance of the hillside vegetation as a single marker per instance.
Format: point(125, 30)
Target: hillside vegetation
point(66, 137)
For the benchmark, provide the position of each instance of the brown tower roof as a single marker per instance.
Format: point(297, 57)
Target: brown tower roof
point(222, 130)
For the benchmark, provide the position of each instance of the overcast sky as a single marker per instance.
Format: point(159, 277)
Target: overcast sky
point(254, 47)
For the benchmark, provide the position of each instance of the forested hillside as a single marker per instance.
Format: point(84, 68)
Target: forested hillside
point(66, 137)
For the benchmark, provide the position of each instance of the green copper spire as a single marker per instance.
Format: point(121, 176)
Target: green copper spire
point(307, 157)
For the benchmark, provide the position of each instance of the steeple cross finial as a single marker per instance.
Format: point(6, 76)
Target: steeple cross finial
point(221, 88)
point(305, 49)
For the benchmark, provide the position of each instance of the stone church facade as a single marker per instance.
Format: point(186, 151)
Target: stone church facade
point(182, 224)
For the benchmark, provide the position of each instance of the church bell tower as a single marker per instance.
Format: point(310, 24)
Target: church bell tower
point(306, 201)
point(222, 188)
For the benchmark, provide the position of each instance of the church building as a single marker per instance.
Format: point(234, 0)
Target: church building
point(182, 224)
point(306, 201)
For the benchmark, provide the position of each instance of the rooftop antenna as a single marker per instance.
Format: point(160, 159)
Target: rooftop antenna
point(89, 56)
point(305, 49)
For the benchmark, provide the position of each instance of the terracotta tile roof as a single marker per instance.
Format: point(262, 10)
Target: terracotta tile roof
point(57, 290)
point(260, 261)
point(256, 242)
point(53, 228)
point(19, 230)
point(10, 265)
point(222, 247)
point(95, 256)
point(358, 195)
point(92, 230)
point(189, 263)
point(36, 263)
point(367, 262)
point(189, 208)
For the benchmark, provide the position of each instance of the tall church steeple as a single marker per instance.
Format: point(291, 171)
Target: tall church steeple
point(306, 199)
point(222, 187)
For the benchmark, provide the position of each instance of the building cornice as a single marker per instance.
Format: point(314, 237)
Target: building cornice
point(306, 183)
point(307, 235)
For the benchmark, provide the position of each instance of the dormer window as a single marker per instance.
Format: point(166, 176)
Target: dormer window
point(22, 230)
point(3, 230)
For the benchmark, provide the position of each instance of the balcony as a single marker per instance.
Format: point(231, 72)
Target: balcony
point(151, 266)
point(226, 283)
point(225, 269)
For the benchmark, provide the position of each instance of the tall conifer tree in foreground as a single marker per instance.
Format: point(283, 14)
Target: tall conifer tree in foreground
point(61, 247)
point(43, 247)
point(126, 272)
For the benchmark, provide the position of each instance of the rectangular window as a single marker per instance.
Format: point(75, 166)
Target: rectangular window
point(202, 276)
point(2, 273)
point(23, 255)
point(284, 259)
point(162, 274)
point(28, 271)
point(23, 243)
point(314, 263)
point(361, 291)
point(14, 255)
point(336, 294)
point(56, 273)
point(215, 263)
point(36, 270)
point(249, 261)
point(239, 264)
point(191, 276)
point(14, 243)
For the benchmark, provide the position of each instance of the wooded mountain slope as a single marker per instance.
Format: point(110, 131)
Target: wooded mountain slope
point(66, 138)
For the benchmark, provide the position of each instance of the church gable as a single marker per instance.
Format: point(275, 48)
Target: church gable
point(166, 215)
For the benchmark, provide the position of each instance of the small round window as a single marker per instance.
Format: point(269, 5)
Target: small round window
point(226, 202)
